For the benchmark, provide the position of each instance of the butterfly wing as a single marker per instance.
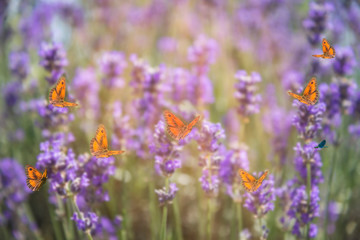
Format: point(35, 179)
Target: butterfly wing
point(193, 122)
point(310, 88)
point(325, 46)
point(311, 93)
point(260, 180)
point(69, 104)
point(298, 97)
point(174, 124)
point(189, 127)
point(322, 144)
point(319, 56)
point(248, 180)
point(34, 178)
point(329, 51)
point(110, 153)
point(99, 143)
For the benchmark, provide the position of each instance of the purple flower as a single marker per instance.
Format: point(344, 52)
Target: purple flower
point(110, 227)
point(212, 152)
point(167, 44)
point(87, 221)
point(36, 26)
point(70, 12)
point(279, 132)
point(210, 137)
point(344, 62)
point(301, 211)
point(122, 128)
point(203, 53)
point(234, 160)
point(248, 100)
point(308, 154)
point(200, 90)
point(13, 195)
point(19, 64)
point(53, 59)
point(354, 130)
point(209, 183)
point(308, 119)
point(165, 197)
point(333, 215)
point(86, 89)
point(11, 93)
point(261, 201)
point(316, 22)
point(245, 234)
point(112, 65)
point(330, 95)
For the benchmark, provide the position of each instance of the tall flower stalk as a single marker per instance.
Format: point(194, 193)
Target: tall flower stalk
point(304, 190)
point(166, 162)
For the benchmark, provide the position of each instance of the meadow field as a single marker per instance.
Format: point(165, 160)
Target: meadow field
point(229, 62)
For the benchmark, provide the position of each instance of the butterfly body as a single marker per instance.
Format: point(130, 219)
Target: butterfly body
point(328, 50)
point(99, 144)
point(176, 128)
point(34, 178)
point(57, 94)
point(322, 144)
point(310, 95)
point(250, 183)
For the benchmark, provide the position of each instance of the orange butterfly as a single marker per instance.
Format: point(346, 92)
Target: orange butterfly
point(176, 128)
point(328, 50)
point(57, 94)
point(310, 95)
point(250, 183)
point(35, 179)
point(99, 144)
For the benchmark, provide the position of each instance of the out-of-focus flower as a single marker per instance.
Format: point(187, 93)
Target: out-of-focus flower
point(13, 194)
point(167, 44)
point(248, 100)
point(330, 95)
point(165, 197)
point(316, 22)
point(112, 65)
point(279, 132)
point(19, 64)
point(344, 61)
point(203, 53)
point(11, 93)
point(53, 59)
point(235, 159)
point(210, 145)
point(86, 89)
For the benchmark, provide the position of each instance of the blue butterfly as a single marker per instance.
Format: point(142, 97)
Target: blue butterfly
point(322, 144)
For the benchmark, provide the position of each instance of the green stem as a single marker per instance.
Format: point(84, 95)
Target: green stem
point(164, 217)
point(153, 211)
point(178, 230)
point(327, 200)
point(239, 216)
point(62, 215)
point(308, 188)
point(209, 219)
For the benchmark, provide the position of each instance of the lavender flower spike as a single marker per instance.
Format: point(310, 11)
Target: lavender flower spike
point(248, 100)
